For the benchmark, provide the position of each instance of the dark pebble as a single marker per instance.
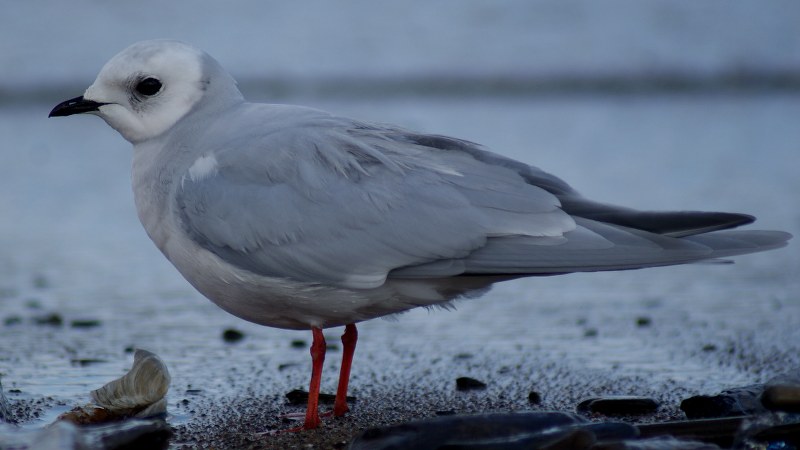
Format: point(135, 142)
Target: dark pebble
point(534, 398)
point(231, 335)
point(618, 406)
point(464, 356)
point(53, 319)
point(12, 320)
point(728, 403)
point(299, 343)
point(300, 397)
point(591, 332)
point(285, 366)
point(40, 282)
point(709, 348)
point(33, 304)
point(468, 384)
point(643, 321)
point(85, 323)
point(193, 391)
point(83, 362)
point(782, 393)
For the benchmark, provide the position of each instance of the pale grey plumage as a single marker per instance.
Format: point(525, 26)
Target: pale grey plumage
point(293, 217)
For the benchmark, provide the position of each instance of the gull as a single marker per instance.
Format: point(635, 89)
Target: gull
point(296, 218)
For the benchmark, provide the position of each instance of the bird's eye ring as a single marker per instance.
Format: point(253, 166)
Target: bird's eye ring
point(149, 86)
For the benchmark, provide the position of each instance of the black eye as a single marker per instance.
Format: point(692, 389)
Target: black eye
point(148, 86)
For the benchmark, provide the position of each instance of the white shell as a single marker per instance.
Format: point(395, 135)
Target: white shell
point(141, 391)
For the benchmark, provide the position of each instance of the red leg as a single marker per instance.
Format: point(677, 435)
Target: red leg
point(317, 358)
point(349, 339)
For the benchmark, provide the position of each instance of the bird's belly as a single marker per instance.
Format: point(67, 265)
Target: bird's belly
point(281, 302)
point(290, 304)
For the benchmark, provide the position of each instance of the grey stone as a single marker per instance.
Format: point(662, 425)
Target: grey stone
point(782, 393)
point(618, 406)
point(728, 403)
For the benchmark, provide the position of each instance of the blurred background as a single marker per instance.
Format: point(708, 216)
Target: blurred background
point(658, 104)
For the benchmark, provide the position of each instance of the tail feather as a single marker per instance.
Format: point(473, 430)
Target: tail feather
point(595, 246)
point(732, 243)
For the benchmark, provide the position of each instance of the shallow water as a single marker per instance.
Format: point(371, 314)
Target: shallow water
point(72, 245)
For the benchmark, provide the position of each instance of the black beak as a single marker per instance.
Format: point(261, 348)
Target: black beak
point(75, 105)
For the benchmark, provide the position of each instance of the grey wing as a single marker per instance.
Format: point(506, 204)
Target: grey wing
point(346, 207)
point(606, 237)
point(349, 204)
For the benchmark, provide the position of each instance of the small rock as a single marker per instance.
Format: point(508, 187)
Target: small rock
point(463, 356)
point(468, 384)
point(643, 321)
point(40, 282)
point(231, 335)
point(739, 401)
point(590, 333)
point(299, 343)
point(53, 319)
point(300, 397)
point(193, 391)
point(33, 304)
point(83, 362)
point(12, 320)
point(534, 398)
point(782, 393)
point(284, 366)
point(618, 406)
point(85, 323)
point(709, 348)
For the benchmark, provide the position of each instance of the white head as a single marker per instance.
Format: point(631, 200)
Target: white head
point(148, 87)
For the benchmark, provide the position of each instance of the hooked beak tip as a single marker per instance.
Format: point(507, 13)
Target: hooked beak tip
point(77, 105)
